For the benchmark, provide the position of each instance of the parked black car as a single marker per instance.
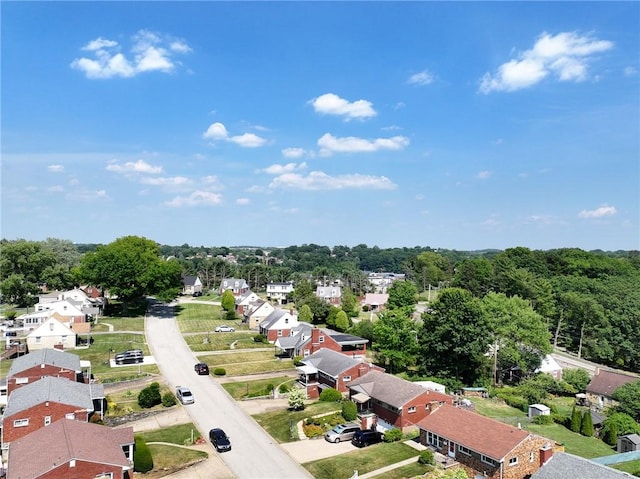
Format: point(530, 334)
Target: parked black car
point(202, 369)
point(132, 356)
point(364, 438)
point(219, 440)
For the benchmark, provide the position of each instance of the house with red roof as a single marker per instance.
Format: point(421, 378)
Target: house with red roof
point(603, 384)
point(385, 401)
point(69, 449)
point(484, 447)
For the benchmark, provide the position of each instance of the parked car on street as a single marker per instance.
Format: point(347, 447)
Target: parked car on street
point(365, 438)
point(184, 395)
point(202, 369)
point(225, 329)
point(342, 432)
point(219, 440)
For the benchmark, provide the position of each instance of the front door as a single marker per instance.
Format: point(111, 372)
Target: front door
point(452, 449)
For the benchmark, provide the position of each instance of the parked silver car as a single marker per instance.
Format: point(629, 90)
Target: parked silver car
point(184, 395)
point(342, 432)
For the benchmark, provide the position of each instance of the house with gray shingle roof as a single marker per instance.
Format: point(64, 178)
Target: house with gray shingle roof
point(257, 313)
point(72, 449)
point(236, 285)
point(330, 369)
point(43, 362)
point(48, 400)
point(191, 285)
point(306, 339)
point(278, 324)
point(563, 465)
point(390, 401)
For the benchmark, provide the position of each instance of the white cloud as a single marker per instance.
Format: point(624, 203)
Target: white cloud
point(55, 168)
point(483, 175)
point(422, 78)
point(317, 180)
point(281, 169)
point(86, 195)
point(630, 71)
point(139, 166)
point(331, 104)
point(196, 198)
point(565, 55)
point(212, 182)
point(150, 52)
point(172, 181)
point(243, 201)
point(600, 212)
point(293, 152)
point(330, 144)
point(218, 132)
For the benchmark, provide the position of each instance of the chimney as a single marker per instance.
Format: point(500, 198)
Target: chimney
point(315, 335)
point(546, 452)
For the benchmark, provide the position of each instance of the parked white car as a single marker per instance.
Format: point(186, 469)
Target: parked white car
point(225, 329)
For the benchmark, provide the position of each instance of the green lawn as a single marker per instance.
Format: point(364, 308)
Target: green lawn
point(574, 443)
point(169, 459)
point(239, 357)
point(126, 402)
point(259, 367)
point(363, 460)
point(210, 341)
point(180, 434)
point(496, 409)
point(632, 467)
point(120, 324)
point(277, 423)
point(196, 317)
point(241, 389)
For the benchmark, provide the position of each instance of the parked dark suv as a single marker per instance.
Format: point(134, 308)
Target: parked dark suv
point(364, 438)
point(132, 356)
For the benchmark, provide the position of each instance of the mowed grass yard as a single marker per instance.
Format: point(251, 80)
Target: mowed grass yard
point(244, 363)
point(363, 460)
point(242, 389)
point(119, 324)
point(200, 318)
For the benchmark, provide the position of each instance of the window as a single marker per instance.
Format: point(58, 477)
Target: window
point(47, 420)
point(321, 339)
point(38, 339)
point(64, 339)
point(22, 380)
point(531, 456)
point(279, 332)
point(346, 379)
point(51, 325)
point(513, 461)
point(20, 423)
point(487, 460)
point(70, 415)
point(464, 450)
point(411, 409)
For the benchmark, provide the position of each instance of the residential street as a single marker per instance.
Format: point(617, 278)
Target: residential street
point(255, 455)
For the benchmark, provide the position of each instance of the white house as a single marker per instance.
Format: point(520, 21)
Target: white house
point(65, 309)
point(257, 313)
point(330, 294)
point(237, 286)
point(279, 291)
point(51, 334)
point(191, 285)
point(278, 324)
point(550, 366)
point(244, 302)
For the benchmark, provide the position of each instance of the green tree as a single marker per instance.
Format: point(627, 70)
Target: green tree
point(610, 434)
point(576, 420)
point(519, 335)
point(586, 428)
point(578, 378)
point(628, 397)
point(305, 315)
point(349, 411)
point(475, 275)
point(131, 268)
point(349, 303)
point(402, 294)
point(394, 340)
point(430, 268)
point(342, 321)
point(454, 338)
point(363, 329)
point(150, 396)
point(142, 459)
point(619, 423)
point(228, 301)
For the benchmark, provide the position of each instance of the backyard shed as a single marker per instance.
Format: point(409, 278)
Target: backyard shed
point(538, 410)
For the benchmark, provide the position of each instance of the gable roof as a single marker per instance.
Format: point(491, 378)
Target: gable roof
point(633, 438)
point(391, 389)
point(53, 357)
point(479, 433)
point(275, 316)
point(231, 283)
point(376, 299)
point(330, 362)
point(563, 465)
point(66, 440)
point(605, 382)
point(189, 280)
point(53, 389)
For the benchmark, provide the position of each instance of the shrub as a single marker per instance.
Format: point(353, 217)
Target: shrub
point(576, 420)
point(349, 411)
point(427, 457)
point(260, 338)
point(284, 388)
point(150, 396)
point(142, 459)
point(297, 397)
point(219, 371)
point(270, 388)
point(542, 419)
point(297, 360)
point(330, 395)
point(517, 402)
point(393, 435)
point(169, 399)
point(586, 429)
point(313, 430)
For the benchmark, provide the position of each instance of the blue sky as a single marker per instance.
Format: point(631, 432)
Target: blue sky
point(452, 125)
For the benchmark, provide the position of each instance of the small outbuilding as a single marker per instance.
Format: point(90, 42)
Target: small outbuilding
point(629, 443)
point(538, 410)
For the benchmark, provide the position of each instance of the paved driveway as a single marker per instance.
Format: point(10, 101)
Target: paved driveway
point(255, 455)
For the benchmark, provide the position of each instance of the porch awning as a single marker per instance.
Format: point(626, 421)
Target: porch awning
point(360, 398)
point(306, 369)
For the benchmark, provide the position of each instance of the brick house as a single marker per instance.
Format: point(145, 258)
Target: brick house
point(484, 447)
point(603, 384)
point(278, 324)
point(305, 339)
point(46, 401)
point(330, 369)
point(72, 450)
point(43, 362)
point(237, 286)
point(387, 401)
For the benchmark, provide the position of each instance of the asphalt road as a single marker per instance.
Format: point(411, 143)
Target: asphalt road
point(254, 454)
